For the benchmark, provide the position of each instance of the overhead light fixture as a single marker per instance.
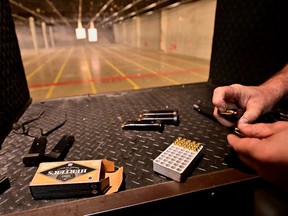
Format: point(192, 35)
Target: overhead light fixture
point(80, 31)
point(173, 5)
point(92, 33)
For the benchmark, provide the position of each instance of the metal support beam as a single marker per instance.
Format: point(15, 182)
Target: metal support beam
point(28, 10)
point(44, 32)
point(51, 34)
point(33, 33)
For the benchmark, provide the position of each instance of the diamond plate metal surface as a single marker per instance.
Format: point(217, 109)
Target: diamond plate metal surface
point(95, 121)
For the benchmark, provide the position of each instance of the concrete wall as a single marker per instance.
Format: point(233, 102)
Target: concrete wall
point(150, 31)
point(24, 36)
point(140, 32)
point(131, 36)
point(187, 30)
point(62, 35)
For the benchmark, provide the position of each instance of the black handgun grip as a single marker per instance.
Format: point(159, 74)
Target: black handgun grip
point(4, 184)
point(36, 152)
point(60, 150)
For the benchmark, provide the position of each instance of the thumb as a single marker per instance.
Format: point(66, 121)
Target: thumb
point(259, 130)
point(248, 118)
point(251, 114)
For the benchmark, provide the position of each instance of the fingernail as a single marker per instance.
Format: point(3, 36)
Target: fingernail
point(221, 109)
point(243, 120)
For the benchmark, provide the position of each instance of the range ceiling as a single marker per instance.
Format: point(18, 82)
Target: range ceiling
point(68, 12)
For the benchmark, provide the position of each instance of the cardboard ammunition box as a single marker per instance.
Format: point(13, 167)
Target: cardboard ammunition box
point(69, 179)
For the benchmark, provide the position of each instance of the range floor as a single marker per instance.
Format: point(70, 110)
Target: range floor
point(102, 68)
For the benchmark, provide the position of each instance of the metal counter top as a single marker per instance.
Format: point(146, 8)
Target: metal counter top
point(95, 121)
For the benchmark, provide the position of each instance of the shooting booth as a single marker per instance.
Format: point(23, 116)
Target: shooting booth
point(248, 47)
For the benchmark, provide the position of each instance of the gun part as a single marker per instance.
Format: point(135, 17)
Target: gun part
point(60, 150)
point(238, 132)
point(205, 110)
point(232, 114)
point(36, 152)
point(4, 184)
point(143, 125)
point(159, 113)
point(164, 119)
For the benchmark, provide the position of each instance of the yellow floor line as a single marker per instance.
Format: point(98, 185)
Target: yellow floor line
point(135, 86)
point(92, 84)
point(35, 58)
point(163, 63)
point(141, 66)
point(167, 56)
point(41, 66)
point(51, 89)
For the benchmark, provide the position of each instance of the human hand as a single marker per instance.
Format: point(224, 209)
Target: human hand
point(264, 148)
point(254, 100)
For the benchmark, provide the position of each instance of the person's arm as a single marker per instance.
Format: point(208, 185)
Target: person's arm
point(263, 146)
point(254, 100)
point(278, 84)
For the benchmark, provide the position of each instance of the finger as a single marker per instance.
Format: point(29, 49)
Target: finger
point(259, 130)
point(222, 120)
point(243, 147)
point(250, 115)
point(237, 143)
point(221, 94)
